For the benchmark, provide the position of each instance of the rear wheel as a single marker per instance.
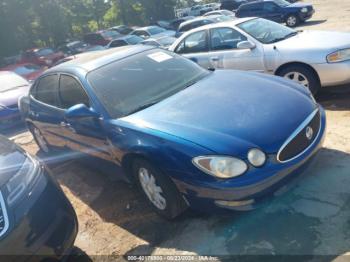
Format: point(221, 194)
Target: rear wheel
point(159, 190)
point(302, 75)
point(40, 140)
point(292, 20)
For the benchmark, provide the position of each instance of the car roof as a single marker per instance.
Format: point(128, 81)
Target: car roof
point(147, 27)
point(197, 19)
point(227, 23)
point(93, 60)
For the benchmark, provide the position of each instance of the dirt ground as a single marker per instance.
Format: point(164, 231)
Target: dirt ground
point(312, 217)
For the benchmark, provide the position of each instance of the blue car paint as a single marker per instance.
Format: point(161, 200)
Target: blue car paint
point(9, 117)
point(279, 15)
point(197, 121)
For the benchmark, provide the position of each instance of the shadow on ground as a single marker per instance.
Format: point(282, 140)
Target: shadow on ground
point(313, 22)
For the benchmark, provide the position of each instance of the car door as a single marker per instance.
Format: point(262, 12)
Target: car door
point(195, 47)
point(85, 135)
point(272, 12)
point(224, 53)
point(44, 111)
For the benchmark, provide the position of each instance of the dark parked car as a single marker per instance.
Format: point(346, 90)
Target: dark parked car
point(174, 24)
point(152, 31)
point(12, 87)
point(41, 57)
point(36, 219)
point(101, 37)
point(125, 40)
point(279, 11)
point(178, 130)
point(122, 29)
point(191, 24)
point(73, 48)
point(232, 5)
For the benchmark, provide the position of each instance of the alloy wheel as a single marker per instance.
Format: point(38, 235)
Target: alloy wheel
point(291, 21)
point(152, 190)
point(299, 78)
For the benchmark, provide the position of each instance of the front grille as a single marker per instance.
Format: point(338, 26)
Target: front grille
point(302, 138)
point(4, 222)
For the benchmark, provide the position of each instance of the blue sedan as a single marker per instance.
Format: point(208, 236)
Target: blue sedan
point(187, 136)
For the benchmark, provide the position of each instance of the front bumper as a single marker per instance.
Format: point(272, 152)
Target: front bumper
point(306, 16)
point(333, 74)
point(42, 225)
point(206, 197)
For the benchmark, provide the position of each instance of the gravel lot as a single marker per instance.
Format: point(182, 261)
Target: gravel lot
point(312, 217)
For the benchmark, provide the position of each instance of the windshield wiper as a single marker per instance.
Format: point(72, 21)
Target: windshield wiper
point(283, 38)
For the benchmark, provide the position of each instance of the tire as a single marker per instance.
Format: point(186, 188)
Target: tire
point(40, 140)
point(166, 200)
point(292, 20)
point(312, 81)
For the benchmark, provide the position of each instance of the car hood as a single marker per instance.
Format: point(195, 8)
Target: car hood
point(10, 98)
point(316, 41)
point(11, 159)
point(230, 112)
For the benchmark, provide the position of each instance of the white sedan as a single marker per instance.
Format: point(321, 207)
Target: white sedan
point(312, 58)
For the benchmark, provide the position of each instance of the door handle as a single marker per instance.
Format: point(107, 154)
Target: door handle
point(215, 58)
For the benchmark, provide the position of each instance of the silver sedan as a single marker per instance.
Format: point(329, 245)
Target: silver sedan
point(312, 58)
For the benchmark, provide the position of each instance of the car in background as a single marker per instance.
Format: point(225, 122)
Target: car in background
point(41, 56)
point(313, 59)
point(175, 23)
point(139, 106)
point(152, 31)
point(212, 6)
point(200, 21)
point(36, 218)
point(73, 48)
point(163, 42)
point(102, 37)
point(94, 48)
point(198, 10)
point(9, 60)
point(279, 11)
point(12, 87)
point(122, 29)
point(28, 71)
point(232, 5)
point(125, 40)
point(221, 12)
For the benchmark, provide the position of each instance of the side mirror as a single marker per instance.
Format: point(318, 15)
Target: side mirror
point(246, 45)
point(81, 111)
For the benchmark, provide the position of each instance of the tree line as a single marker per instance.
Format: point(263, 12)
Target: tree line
point(30, 23)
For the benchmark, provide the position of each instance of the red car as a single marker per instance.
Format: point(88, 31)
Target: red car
point(101, 37)
point(26, 70)
point(41, 57)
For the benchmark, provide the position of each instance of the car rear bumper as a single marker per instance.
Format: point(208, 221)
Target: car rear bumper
point(332, 74)
point(246, 197)
point(43, 226)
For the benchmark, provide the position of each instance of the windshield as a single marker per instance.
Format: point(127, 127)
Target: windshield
point(11, 81)
point(77, 45)
point(44, 52)
point(26, 69)
point(133, 40)
point(156, 30)
point(266, 31)
point(126, 85)
point(282, 3)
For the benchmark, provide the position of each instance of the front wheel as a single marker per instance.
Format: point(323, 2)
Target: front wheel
point(292, 20)
point(40, 140)
point(159, 190)
point(303, 76)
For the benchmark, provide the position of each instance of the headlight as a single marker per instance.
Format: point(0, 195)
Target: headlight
point(22, 180)
point(221, 166)
point(256, 157)
point(304, 10)
point(339, 56)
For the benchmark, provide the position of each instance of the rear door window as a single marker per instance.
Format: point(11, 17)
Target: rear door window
point(46, 90)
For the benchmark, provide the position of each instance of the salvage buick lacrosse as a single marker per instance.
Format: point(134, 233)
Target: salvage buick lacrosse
point(187, 136)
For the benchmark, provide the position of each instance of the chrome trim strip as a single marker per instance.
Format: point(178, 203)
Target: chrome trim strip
point(296, 132)
point(4, 213)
